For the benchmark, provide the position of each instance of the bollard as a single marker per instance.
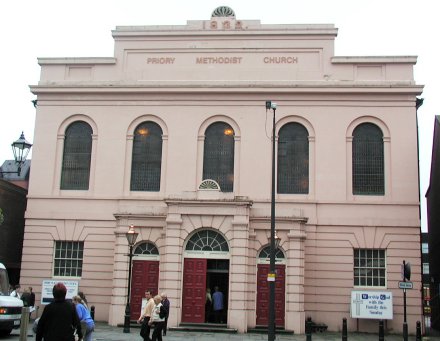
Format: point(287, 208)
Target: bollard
point(25, 311)
point(92, 312)
point(418, 331)
point(381, 331)
point(309, 329)
point(344, 329)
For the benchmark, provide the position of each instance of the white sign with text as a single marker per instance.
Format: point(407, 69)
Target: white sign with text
point(47, 287)
point(371, 305)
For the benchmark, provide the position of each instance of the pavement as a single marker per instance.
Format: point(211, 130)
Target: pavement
point(104, 332)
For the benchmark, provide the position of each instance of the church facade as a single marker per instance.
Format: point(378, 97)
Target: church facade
point(172, 136)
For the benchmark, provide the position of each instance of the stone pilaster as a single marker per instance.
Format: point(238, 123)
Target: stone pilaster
point(295, 315)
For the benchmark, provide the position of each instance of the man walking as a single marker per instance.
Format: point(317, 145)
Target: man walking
point(146, 315)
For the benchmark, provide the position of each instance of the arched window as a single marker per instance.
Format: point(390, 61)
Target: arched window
point(77, 154)
point(368, 160)
point(265, 253)
point(146, 249)
point(293, 159)
point(218, 158)
point(207, 240)
point(146, 158)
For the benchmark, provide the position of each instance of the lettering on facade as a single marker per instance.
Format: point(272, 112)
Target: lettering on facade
point(280, 60)
point(161, 60)
point(222, 60)
point(226, 25)
point(219, 60)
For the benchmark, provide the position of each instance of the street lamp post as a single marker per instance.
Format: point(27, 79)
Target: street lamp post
point(131, 238)
point(21, 149)
point(272, 277)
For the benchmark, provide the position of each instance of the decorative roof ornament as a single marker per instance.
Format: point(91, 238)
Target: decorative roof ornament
point(223, 11)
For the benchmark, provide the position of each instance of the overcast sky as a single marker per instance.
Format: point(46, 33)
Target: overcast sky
point(82, 28)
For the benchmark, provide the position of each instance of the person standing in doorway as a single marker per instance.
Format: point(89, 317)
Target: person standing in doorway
point(146, 315)
point(166, 306)
point(217, 299)
point(208, 305)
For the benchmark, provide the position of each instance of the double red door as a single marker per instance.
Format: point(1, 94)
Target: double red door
point(194, 290)
point(144, 276)
point(263, 295)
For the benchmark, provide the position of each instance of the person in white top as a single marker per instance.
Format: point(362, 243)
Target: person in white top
point(145, 316)
point(16, 291)
point(157, 319)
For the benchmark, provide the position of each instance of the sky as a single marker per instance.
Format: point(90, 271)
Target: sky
point(82, 28)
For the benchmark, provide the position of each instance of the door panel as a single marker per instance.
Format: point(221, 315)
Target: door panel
point(263, 295)
point(194, 290)
point(144, 276)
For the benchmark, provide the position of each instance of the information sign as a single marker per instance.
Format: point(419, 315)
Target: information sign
point(47, 286)
point(405, 285)
point(372, 305)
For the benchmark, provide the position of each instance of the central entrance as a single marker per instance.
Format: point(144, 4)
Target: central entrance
point(205, 271)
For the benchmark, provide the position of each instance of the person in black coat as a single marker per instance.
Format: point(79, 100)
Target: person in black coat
point(166, 305)
point(59, 319)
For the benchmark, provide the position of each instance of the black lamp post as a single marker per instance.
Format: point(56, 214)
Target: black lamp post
point(21, 149)
point(271, 277)
point(131, 238)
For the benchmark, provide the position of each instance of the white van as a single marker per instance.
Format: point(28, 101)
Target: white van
point(10, 307)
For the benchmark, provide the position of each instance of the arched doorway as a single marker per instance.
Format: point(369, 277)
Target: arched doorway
point(263, 268)
point(206, 266)
point(145, 275)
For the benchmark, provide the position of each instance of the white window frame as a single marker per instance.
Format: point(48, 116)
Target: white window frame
point(369, 266)
point(66, 251)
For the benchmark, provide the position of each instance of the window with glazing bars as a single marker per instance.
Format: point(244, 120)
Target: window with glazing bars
point(207, 240)
point(146, 158)
point(293, 159)
point(77, 154)
point(369, 268)
point(368, 160)
point(218, 157)
point(68, 259)
point(265, 253)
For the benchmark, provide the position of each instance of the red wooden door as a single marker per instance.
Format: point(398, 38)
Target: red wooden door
point(194, 290)
point(144, 276)
point(263, 295)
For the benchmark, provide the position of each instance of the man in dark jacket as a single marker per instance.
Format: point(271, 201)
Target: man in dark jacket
point(59, 319)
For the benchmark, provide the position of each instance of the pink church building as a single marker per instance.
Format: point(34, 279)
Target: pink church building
point(172, 136)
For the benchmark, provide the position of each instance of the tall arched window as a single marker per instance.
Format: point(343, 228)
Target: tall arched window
point(293, 159)
point(368, 160)
point(77, 154)
point(146, 158)
point(218, 158)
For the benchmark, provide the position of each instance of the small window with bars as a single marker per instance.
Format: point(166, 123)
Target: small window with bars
point(368, 160)
point(369, 268)
point(68, 259)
